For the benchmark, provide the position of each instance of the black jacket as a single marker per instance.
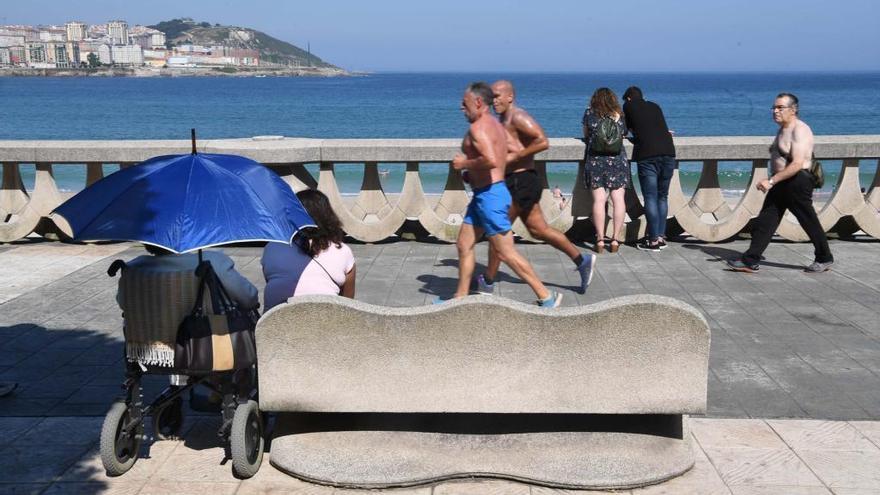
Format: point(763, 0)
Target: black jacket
point(648, 126)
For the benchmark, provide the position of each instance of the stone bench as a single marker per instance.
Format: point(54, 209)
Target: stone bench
point(583, 397)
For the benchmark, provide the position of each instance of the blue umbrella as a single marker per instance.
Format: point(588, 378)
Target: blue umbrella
point(187, 202)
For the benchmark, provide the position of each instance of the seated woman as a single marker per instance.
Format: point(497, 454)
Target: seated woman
point(317, 263)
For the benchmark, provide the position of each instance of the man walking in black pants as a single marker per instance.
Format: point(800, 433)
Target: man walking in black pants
point(790, 187)
point(654, 154)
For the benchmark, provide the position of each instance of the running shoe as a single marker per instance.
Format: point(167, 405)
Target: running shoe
point(661, 241)
point(483, 287)
point(742, 266)
point(552, 301)
point(586, 271)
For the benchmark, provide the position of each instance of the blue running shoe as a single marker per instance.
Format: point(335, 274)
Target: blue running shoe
point(483, 287)
point(586, 270)
point(552, 301)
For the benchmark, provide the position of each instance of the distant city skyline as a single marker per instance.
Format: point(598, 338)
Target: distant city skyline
point(520, 36)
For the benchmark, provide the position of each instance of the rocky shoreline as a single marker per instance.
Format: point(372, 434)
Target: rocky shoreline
point(178, 72)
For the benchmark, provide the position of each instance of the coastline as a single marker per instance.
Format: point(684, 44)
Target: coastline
point(180, 72)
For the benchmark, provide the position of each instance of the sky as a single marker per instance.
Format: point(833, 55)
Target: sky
point(527, 35)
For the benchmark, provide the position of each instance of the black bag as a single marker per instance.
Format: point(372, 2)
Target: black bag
point(219, 340)
point(817, 173)
point(607, 138)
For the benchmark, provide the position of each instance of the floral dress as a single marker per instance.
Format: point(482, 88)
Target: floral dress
point(609, 172)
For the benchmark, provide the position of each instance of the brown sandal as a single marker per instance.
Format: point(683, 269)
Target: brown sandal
point(599, 247)
point(615, 245)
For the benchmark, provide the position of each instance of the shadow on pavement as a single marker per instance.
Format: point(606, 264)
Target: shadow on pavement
point(720, 254)
point(441, 286)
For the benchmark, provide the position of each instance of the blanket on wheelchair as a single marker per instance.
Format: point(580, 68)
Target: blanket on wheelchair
point(154, 304)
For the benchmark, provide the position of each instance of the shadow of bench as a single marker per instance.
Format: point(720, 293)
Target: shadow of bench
point(584, 397)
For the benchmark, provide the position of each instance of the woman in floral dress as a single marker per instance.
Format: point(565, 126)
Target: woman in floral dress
point(606, 174)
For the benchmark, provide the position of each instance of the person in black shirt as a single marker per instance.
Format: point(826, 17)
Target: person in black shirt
point(654, 153)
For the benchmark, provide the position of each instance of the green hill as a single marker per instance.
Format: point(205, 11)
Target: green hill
point(272, 50)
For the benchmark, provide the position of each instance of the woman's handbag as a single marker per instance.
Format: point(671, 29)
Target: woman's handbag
point(817, 173)
point(219, 338)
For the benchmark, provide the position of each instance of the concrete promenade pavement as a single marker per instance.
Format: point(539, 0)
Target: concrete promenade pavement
point(794, 388)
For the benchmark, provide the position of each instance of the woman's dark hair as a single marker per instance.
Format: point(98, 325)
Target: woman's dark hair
point(604, 103)
point(329, 229)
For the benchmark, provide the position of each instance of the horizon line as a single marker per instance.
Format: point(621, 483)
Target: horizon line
point(613, 71)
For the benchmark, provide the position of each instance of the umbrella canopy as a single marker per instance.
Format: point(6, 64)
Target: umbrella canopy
point(187, 202)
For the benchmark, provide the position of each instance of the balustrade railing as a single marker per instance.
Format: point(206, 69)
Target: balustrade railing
point(372, 216)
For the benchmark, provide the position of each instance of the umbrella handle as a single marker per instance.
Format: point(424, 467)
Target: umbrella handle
point(115, 267)
point(193, 135)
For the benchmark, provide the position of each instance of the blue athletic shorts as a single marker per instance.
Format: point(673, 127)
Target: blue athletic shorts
point(488, 209)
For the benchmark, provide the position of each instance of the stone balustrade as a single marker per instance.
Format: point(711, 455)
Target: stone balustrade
point(372, 216)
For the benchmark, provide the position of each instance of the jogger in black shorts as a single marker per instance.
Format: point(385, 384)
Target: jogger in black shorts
point(525, 138)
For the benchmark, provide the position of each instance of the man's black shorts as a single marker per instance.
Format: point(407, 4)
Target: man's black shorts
point(525, 188)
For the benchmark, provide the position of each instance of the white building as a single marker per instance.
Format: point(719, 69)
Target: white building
point(118, 31)
point(76, 30)
point(180, 62)
point(212, 60)
point(29, 33)
point(52, 34)
point(127, 55)
point(157, 39)
point(105, 56)
point(147, 38)
point(8, 39)
point(5, 56)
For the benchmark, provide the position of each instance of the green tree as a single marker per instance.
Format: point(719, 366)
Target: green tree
point(93, 61)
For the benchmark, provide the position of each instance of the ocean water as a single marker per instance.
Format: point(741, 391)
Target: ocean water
point(421, 105)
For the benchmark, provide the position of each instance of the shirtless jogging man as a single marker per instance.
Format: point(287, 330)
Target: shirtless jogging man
point(525, 138)
point(485, 148)
point(790, 187)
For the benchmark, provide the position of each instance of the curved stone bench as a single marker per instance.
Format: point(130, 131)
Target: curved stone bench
point(584, 397)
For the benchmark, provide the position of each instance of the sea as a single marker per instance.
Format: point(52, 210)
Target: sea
point(421, 105)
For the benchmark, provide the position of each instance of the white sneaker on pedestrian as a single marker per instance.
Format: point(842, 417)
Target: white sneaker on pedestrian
point(817, 267)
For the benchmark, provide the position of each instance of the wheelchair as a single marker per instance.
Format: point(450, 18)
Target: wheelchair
point(123, 431)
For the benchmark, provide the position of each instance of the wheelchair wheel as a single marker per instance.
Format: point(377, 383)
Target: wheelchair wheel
point(168, 419)
point(246, 440)
point(120, 446)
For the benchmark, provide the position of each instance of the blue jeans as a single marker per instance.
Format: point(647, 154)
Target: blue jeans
point(654, 176)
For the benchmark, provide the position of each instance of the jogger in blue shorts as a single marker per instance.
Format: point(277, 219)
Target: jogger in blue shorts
point(485, 154)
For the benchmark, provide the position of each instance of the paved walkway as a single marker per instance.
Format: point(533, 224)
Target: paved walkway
point(785, 344)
